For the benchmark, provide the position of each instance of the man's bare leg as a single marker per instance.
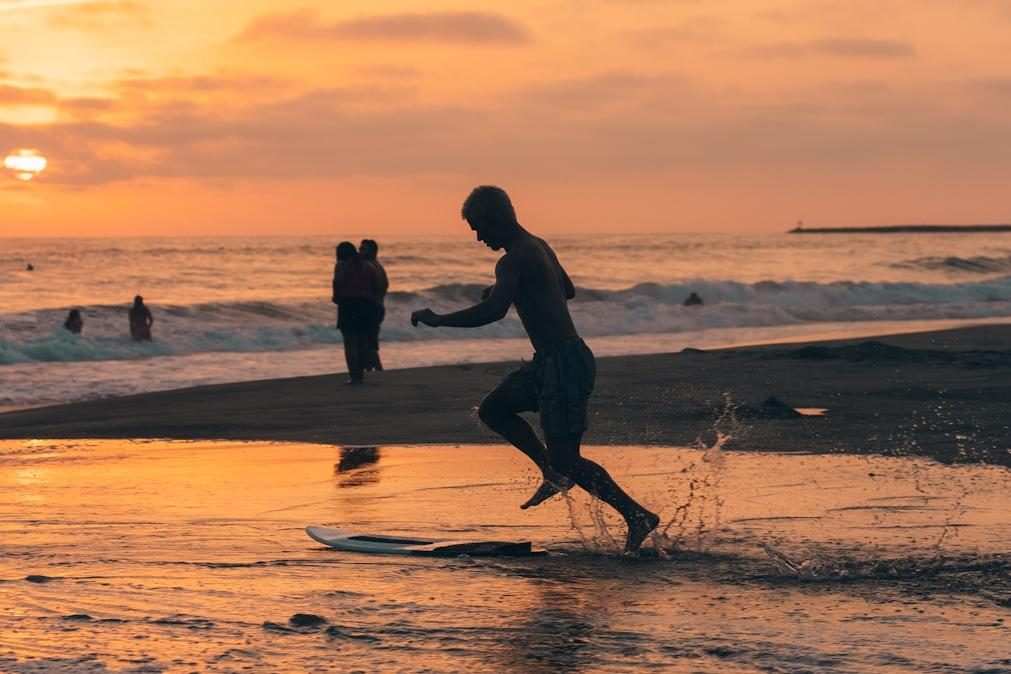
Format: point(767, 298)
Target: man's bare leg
point(564, 456)
point(498, 412)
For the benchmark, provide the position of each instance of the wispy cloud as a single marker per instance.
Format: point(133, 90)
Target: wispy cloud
point(100, 14)
point(1000, 86)
point(14, 95)
point(837, 47)
point(6, 5)
point(607, 124)
point(450, 27)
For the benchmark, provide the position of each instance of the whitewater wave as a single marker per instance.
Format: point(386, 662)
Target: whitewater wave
point(648, 308)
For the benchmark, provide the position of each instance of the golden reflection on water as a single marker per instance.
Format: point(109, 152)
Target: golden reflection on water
point(191, 557)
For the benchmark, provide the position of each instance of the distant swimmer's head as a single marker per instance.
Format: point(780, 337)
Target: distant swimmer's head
point(346, 251)
point(491, 215)
point(368, 249)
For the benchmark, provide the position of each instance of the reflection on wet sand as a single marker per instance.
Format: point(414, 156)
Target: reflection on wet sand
point(357, 466)
point(176, 556)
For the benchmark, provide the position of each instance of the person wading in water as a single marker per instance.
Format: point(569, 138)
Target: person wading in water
point(558, 381)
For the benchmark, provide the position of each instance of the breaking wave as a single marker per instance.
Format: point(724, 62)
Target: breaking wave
point(646, 308)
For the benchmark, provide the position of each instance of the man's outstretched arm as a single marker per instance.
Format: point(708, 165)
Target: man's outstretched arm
point(492, 309)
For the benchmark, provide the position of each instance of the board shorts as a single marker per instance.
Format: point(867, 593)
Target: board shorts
point(557, 384)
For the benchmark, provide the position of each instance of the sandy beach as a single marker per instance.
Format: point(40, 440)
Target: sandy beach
point(938, 394)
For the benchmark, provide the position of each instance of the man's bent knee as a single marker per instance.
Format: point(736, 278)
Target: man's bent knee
point(491, 413)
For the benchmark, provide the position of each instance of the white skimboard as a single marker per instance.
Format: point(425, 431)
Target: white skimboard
point(376, 544)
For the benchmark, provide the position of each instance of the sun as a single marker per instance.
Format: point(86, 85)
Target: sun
point(26, 163)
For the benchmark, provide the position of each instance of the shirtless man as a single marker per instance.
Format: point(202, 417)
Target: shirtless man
point(558, 381)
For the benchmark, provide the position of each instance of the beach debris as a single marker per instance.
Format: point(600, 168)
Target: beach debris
point(771, 408)
point(39, 578)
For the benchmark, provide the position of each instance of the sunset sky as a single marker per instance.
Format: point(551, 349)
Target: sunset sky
point(258, 117)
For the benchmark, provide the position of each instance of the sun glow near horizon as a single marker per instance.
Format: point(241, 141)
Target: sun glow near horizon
point(25, 163)
point(193, 117)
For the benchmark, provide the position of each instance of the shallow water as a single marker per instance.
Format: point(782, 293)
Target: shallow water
point(190, 557)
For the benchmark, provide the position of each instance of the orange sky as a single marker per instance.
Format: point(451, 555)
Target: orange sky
point(256, 117)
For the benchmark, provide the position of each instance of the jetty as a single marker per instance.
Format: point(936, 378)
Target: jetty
point(902, 229)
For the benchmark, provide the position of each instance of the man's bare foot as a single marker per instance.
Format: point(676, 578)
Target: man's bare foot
point(638, 529)
point(547, 489)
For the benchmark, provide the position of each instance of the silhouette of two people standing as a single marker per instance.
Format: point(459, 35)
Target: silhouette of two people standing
point(358, 289)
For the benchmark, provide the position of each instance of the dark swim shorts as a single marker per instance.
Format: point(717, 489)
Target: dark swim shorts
point(557, 383)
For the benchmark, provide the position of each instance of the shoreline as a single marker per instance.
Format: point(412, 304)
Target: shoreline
point(940, 394)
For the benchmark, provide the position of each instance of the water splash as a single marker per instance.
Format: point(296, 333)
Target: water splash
point(690, 501)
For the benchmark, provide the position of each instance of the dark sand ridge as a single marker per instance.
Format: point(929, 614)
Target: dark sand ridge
point(941, 394)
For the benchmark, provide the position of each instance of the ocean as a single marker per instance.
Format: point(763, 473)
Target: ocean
point(238, 308)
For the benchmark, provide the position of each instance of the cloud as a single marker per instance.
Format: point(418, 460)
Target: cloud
point(14, 95)
point(181, 85)
point(33, 4)
point(100, 14)
point(1000, 86)
point(837, 47)
point(610, 123)
point(605, 91)
point(451, 27)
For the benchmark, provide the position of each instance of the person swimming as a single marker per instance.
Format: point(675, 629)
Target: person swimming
point(141, 321)
point(693, 300)
point(74, 322)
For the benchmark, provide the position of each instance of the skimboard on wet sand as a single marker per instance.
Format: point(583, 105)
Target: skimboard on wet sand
point(378, 544)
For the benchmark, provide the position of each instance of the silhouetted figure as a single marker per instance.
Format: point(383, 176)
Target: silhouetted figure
point(369, 250)
point(693, 300)
point(558, 381)
point(74, 322)
point(355, 288)
point(29, 267)
point(141, 320)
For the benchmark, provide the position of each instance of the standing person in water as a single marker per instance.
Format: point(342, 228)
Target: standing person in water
point(141, 320)
point(355, 289)
point(369, 251)
point(74, 322)
point(558, 381)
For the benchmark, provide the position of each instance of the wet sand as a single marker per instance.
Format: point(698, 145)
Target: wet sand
point(940, 394)
point(190, 557)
